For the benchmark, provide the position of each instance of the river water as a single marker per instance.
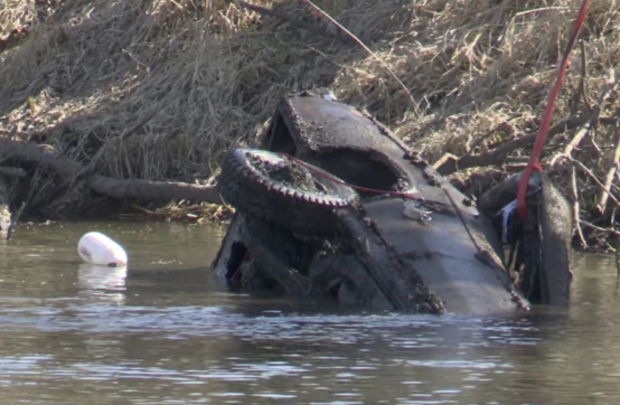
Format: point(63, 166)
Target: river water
point(169, 333)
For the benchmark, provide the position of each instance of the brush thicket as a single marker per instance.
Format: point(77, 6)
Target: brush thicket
point(159, 89)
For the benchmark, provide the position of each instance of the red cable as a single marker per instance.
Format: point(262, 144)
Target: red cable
point(337, 180)
point(534, 162)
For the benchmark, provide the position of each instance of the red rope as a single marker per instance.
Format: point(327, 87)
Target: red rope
point(408, 196)
point(328, 176)
point(534, 162)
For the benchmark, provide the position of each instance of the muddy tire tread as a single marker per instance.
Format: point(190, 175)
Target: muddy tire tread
point(287, 207)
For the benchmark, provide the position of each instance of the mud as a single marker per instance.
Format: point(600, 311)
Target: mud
point(338, 138)
point(286, 172)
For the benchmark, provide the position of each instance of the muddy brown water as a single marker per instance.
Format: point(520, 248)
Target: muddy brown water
point(171, 334)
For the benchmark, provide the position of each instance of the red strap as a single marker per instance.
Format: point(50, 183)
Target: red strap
point(534, 162)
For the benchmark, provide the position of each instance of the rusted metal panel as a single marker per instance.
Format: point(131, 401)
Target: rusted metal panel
point(445, 258)
point(322, 124)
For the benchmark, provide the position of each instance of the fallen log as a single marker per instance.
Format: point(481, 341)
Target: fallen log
point(70, 170)
point(153, 190)
point(12, 172)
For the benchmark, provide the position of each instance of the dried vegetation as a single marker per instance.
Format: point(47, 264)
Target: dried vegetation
point(158, 89)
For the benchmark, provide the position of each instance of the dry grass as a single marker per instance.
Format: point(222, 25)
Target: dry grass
point(201, 75)
point(185, 212)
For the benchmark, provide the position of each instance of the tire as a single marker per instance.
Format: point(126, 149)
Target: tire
point(297, 197)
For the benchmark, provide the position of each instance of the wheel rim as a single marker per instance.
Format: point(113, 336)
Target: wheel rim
point(313, 182)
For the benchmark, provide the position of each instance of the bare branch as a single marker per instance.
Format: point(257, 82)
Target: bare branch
point(576, 208)
point(585, 129)
point(611, 174)
point(118, 188)
point(497, 156)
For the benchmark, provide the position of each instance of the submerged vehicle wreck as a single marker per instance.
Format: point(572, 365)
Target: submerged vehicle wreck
point(329, 203)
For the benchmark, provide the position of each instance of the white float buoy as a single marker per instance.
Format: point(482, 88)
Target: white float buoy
point(97, 248)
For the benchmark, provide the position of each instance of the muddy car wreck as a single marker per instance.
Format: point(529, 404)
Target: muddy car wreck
point(331, 205)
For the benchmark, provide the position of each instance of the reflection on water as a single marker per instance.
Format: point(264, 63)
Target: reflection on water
point(94, 279)
point(166, 332)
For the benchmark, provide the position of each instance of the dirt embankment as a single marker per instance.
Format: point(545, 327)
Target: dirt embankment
point(156, 90)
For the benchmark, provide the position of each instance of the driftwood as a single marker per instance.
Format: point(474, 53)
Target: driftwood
point(585, 128)
point(153, 190)
point(611, 174)
point(449, 164)
point(576, 208)
point(596, 180)
point(117, 188)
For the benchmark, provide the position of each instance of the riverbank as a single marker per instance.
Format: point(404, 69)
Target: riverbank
point(156, 91)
